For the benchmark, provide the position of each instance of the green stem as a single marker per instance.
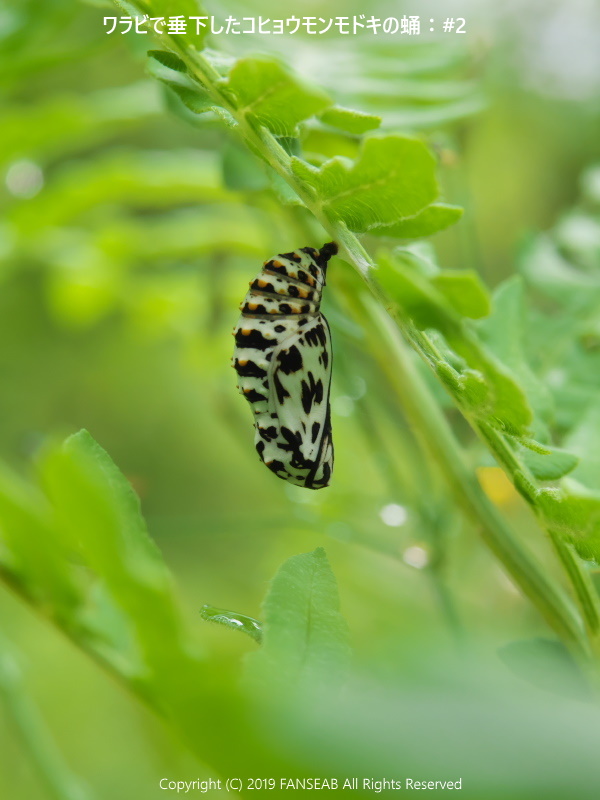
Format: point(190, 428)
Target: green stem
point(424, 413)
point(583, 588)
point(446, 603)
point(56, 776)
point(581, 584)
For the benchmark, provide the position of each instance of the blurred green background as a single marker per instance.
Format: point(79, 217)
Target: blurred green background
point(126, 244)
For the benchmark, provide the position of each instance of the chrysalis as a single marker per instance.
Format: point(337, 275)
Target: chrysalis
point(283, 360)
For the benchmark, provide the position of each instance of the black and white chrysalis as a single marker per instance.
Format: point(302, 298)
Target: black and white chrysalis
point(283, 360)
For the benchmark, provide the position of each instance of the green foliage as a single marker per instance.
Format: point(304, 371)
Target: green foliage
point(503, 333)
point(432, 219)
point(136, 240)
point(413, 85)
point(347, 119)
point(305, 636)
point(465, 292)
point(547, 664)
point(36, 551)
point(549, 464)
point(392, 178)
point(388, 189)
point(98, 515)
point(485, 370)
point(231, 619)
point(268, 94)
point(479, 382)
point(56, 777)
point(171, 71)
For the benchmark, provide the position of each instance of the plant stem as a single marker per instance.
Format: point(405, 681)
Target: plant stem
point(431, 426)
point(54, 773)
point(583, 587)
point(447, 606)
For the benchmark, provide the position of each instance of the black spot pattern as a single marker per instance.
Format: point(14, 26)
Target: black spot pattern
point(268, 434)
point(281, 391)
point(260, 286)
point(252, 396)
point(290, 360)
point(292, 256)
point(249, 370)
point(253, 339)
point(290, 396)
point(316, 336)
point(258, 308)
point(312, 392)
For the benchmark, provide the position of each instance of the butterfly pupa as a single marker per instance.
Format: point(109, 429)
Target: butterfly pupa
point(283, 361)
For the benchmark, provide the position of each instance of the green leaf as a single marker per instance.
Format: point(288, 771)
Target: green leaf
point(549, 272)
point(590, 185)
point(551, 465)
point(268, 94)
point(135, 8)
point(432, 219)
point(487, 388)
point(150, 179)
point(36, 551)
point(503, 333)
point(548, 664)
point(64, 124)
point(402, 276)
point(99, 513)
point(168, 59)
point(241, 170)
point(320, 144)
point(282, 190)
point(231, 619)
point(305, 636)
point(465, 291)
point(392, 178)
point(347, 119)
point(584, 441)
point(172, 72)
point(578, 236)
point(573, 512)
